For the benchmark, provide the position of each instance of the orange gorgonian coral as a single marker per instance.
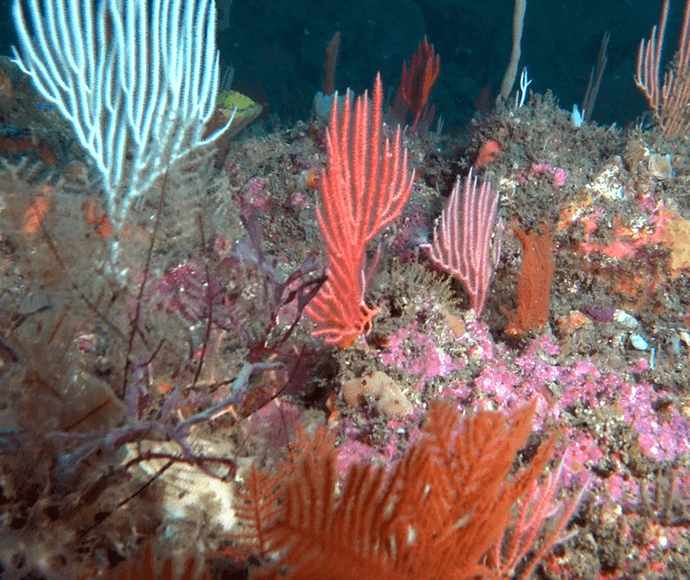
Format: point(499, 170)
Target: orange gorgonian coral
point(448, 509)
point(363, 189)
point(533, 284)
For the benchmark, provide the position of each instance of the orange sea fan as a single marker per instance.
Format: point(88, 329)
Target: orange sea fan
point(445, 511)
point(533, 283)
point(363, 189)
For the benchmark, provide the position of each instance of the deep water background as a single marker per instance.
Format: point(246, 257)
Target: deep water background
point(277, 48)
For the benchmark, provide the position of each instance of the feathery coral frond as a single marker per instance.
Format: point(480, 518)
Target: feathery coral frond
point(417, 81)
point(325, 535)
point(462, 245)
point(363, 189)
point(669, 98)
point(256, 511)
point(147, 570)
point(445, 511)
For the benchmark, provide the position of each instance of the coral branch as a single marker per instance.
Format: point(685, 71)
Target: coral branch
point(462, 245)
point(534, 282)
point(418, 80)
point(363, 189)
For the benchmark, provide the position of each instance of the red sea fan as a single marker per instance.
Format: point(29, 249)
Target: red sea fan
point(363, 189)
